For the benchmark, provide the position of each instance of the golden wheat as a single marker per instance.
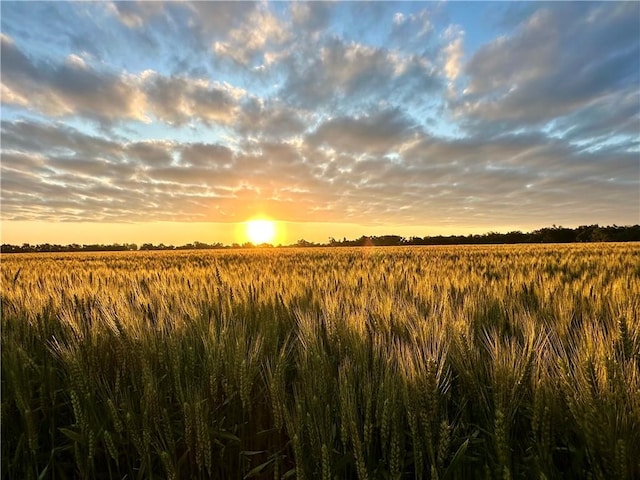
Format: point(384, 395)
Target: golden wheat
point(426, 362)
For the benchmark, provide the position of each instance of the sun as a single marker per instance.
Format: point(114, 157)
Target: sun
point(261, 231)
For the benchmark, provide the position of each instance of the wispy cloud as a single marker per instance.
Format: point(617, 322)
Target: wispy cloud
point(555, 63)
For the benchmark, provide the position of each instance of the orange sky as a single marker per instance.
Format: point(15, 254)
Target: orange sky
point(180, 233)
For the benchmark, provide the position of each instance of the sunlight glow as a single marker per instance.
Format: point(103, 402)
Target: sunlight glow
point(261, 231)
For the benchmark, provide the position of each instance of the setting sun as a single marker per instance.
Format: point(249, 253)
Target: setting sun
point(261, 231)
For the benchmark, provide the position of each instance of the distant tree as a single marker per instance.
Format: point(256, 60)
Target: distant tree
point(515, 237)
point(584, 233)
point(304, 243)
point(600, 235)
point(387, 240)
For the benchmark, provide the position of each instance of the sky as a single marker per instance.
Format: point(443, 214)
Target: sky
point(174, 122)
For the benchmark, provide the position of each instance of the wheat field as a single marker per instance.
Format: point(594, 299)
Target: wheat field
point(364, 363)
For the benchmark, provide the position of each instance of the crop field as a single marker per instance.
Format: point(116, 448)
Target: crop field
point(409, 362)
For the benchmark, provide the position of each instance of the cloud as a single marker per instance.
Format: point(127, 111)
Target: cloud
point(344, 72)
point(613, 114)
point(75, 88)
point(270, 119)
point(42, 138)
point(177, 100)
point(376, 134)
point(135, 14)
point(576, 60)
point(260, 29)
point(53, 172)
point(203, 154)
point(311, 17)
point(453, 52)
point(72, 174)
point(193, 22)
point(413, 26)
point(218, 18)
point(68, 88)
point(149, 152)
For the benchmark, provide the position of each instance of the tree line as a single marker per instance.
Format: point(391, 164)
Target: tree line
point(554, 234)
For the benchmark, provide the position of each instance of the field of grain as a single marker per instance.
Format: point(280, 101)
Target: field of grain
point(410, 362)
